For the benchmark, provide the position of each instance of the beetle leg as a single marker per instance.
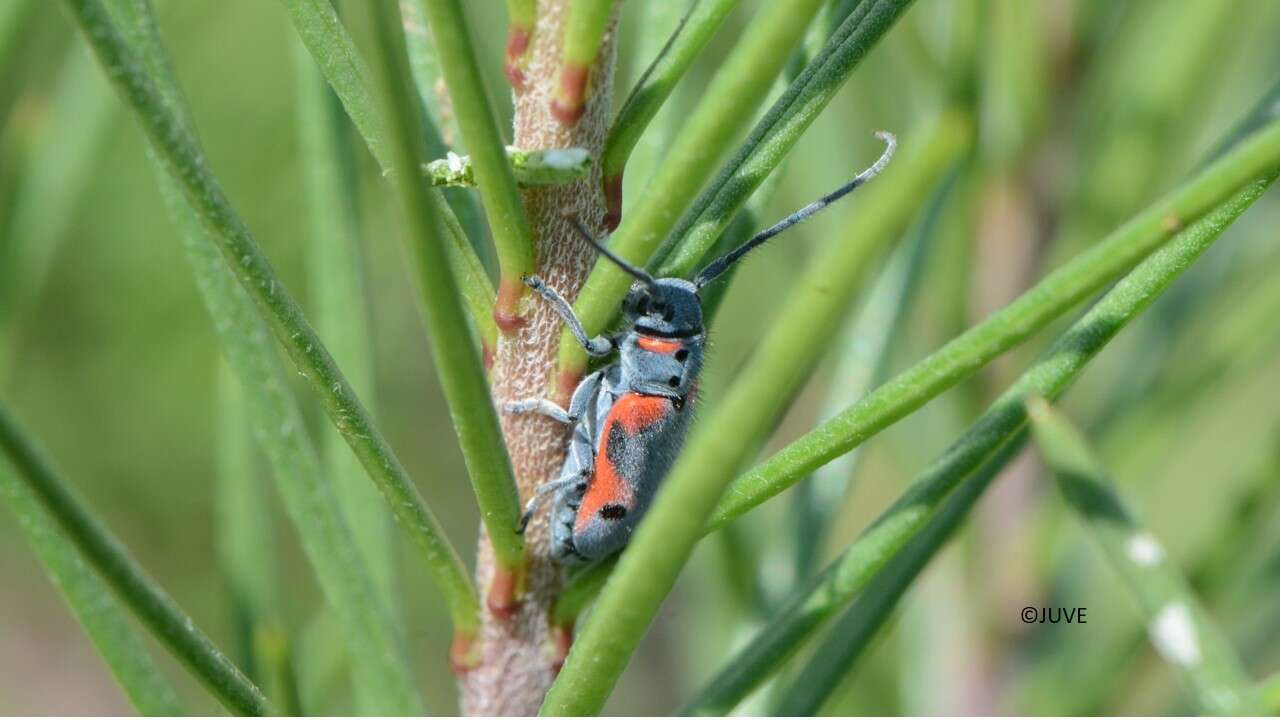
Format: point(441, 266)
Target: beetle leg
point(541, 406)
point(544, 491)
point(598, 346)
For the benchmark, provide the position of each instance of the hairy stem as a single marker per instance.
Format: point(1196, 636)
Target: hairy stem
point(517, 653)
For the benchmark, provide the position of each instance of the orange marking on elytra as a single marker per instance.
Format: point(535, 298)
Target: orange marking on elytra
point(652, 344)
point(632, 412)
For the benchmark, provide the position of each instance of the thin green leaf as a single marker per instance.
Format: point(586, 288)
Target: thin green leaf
point(146, 599)
point(1180, 629)
point(1127, 151)
point(583, 35)
point(442, 137)
point(244, 537)
point(381, 669)
point(59, 166)
point(90, 600)
point(867, 340)
point(727, 106)
point(850, 636)
point(961, 357)
point(336, 267)
point(342, 317)
point(321, 31)
point(243, 522)
point(460, 369)
point(502, 205)
point(579, 593)
point(176, 148)
point(720, 444)
point(653, 89)
point(997, 428)
point(778, 131)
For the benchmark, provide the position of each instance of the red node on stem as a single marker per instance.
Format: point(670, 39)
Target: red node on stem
point(569, 102)
point(502, 599)
point(612, 202)
point(517, 44)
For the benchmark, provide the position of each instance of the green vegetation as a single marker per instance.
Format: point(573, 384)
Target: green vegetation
point(261, 307)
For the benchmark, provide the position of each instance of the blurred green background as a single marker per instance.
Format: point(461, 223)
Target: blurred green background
point(1086, 111)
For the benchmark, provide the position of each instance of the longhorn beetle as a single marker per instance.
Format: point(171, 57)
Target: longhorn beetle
point(629, 418)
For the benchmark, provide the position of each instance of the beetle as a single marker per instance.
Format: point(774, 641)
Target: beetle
point(628, 419)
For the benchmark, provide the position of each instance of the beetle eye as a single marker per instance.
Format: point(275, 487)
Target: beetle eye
point(642, 306)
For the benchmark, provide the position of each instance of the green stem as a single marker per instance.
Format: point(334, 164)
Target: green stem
point(1180, 628)
point(779, 130)
point(866, 344)
point(336, 266)
point(996, 429)
point(381, 669)
point(583, 34)
point(90, 600)
point(501, 199)
point(961, 357)
point(461, 370)
point(727, 106)
point(242, 523)
point(850, 636)
point(579, 593)
point(786, 355)
point(521, 15)
point(322, 33)
point(720, 445)
point(54, 175)
point(162, 616)
point(653, 89)
point(177, 149)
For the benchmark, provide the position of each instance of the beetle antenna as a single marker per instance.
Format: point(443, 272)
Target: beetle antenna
point(630, 269)
point(717, 267)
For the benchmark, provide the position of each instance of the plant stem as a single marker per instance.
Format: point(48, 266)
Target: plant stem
point(1180, 628)
point(653, 89)
point(334, 52)
point(176, 148)
point(727, 106)
point(520, 19)
point(1256, 157)
point(461, 371)
point(850, 636)
point(787, 354)
point(381, 671)
point(518, 659)
point(583, 35)
point(866, 341)
point(341, 312)
point(342, 316)
point(90, 601)
point(162, 616)
point(54, 175)
point(502, 206)
point(779, 131)
point(997, 428)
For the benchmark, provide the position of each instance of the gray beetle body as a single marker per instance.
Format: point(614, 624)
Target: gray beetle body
point(629, 419)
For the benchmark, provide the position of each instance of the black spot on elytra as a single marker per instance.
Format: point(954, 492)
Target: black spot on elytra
point(682, 355)
point(613, 512)
point(673, 381)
